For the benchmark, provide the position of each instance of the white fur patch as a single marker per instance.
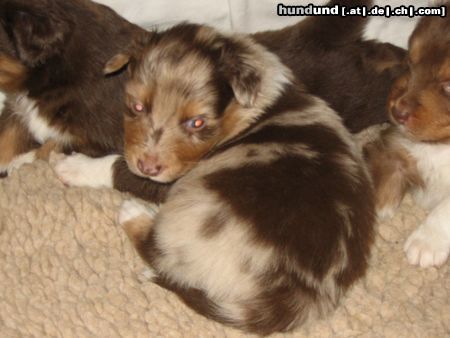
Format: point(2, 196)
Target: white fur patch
point(18, 161)
point(83, 171)
point(132, 209)
point(429, 245)
point(39, 128)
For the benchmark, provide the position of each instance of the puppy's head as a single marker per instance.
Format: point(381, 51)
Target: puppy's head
point(420, 100)
point(31, 33)
point(190, 90)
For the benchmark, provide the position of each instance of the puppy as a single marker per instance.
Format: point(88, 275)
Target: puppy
point(270, 217)
point(51, 58)
point(51, 53)
point(415, 154)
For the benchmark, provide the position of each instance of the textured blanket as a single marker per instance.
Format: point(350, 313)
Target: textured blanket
point(68, 270)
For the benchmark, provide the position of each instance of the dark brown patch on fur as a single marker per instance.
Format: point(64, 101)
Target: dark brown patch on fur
point(259, 184)
point(213, 226)
point(305, 239)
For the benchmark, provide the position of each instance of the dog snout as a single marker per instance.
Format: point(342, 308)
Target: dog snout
point(150, 166)
point(402, 111)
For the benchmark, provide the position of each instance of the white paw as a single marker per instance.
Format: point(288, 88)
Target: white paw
point(83, 171)
point(132, 209)
point(18, 161)
point(427, 246)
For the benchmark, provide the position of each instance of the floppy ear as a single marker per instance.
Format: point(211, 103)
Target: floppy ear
point(116, 63)
point(37, 33)
point(130, 55)
point(241, 73)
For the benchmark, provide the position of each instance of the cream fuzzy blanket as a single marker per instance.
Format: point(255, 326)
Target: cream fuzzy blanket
point(68, 270)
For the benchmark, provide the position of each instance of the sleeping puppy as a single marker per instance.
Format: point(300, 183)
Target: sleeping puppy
point(52, 53)
point(270, 217)
point(415, 154)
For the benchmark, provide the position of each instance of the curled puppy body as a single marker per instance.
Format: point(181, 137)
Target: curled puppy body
point(270, 217)
point(415, 154)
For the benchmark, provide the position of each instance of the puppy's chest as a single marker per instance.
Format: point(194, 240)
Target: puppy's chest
point(37, 122)
point(433, 164)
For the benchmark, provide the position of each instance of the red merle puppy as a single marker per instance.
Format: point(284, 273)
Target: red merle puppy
point(270, 217)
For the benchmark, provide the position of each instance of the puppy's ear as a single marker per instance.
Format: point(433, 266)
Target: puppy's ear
point(240, 70)
point(116, 63)
point(12, 74)
point(38, 34)
point(130, 55)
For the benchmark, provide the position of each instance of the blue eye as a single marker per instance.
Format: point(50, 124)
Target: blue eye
point(197, 123)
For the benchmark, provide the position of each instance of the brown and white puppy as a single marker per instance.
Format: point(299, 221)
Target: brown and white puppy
point(415, 154)
point(50, 54)
point(270, 219)
point(51, 58)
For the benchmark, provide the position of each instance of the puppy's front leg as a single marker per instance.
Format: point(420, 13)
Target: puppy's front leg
point(110, 172)
point(429, 244)
point(144, 188)
point(84, 171)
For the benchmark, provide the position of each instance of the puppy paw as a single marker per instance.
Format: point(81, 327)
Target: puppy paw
point(136, 218)
point(427, 247)
point(82, 171)
point(16, 163)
